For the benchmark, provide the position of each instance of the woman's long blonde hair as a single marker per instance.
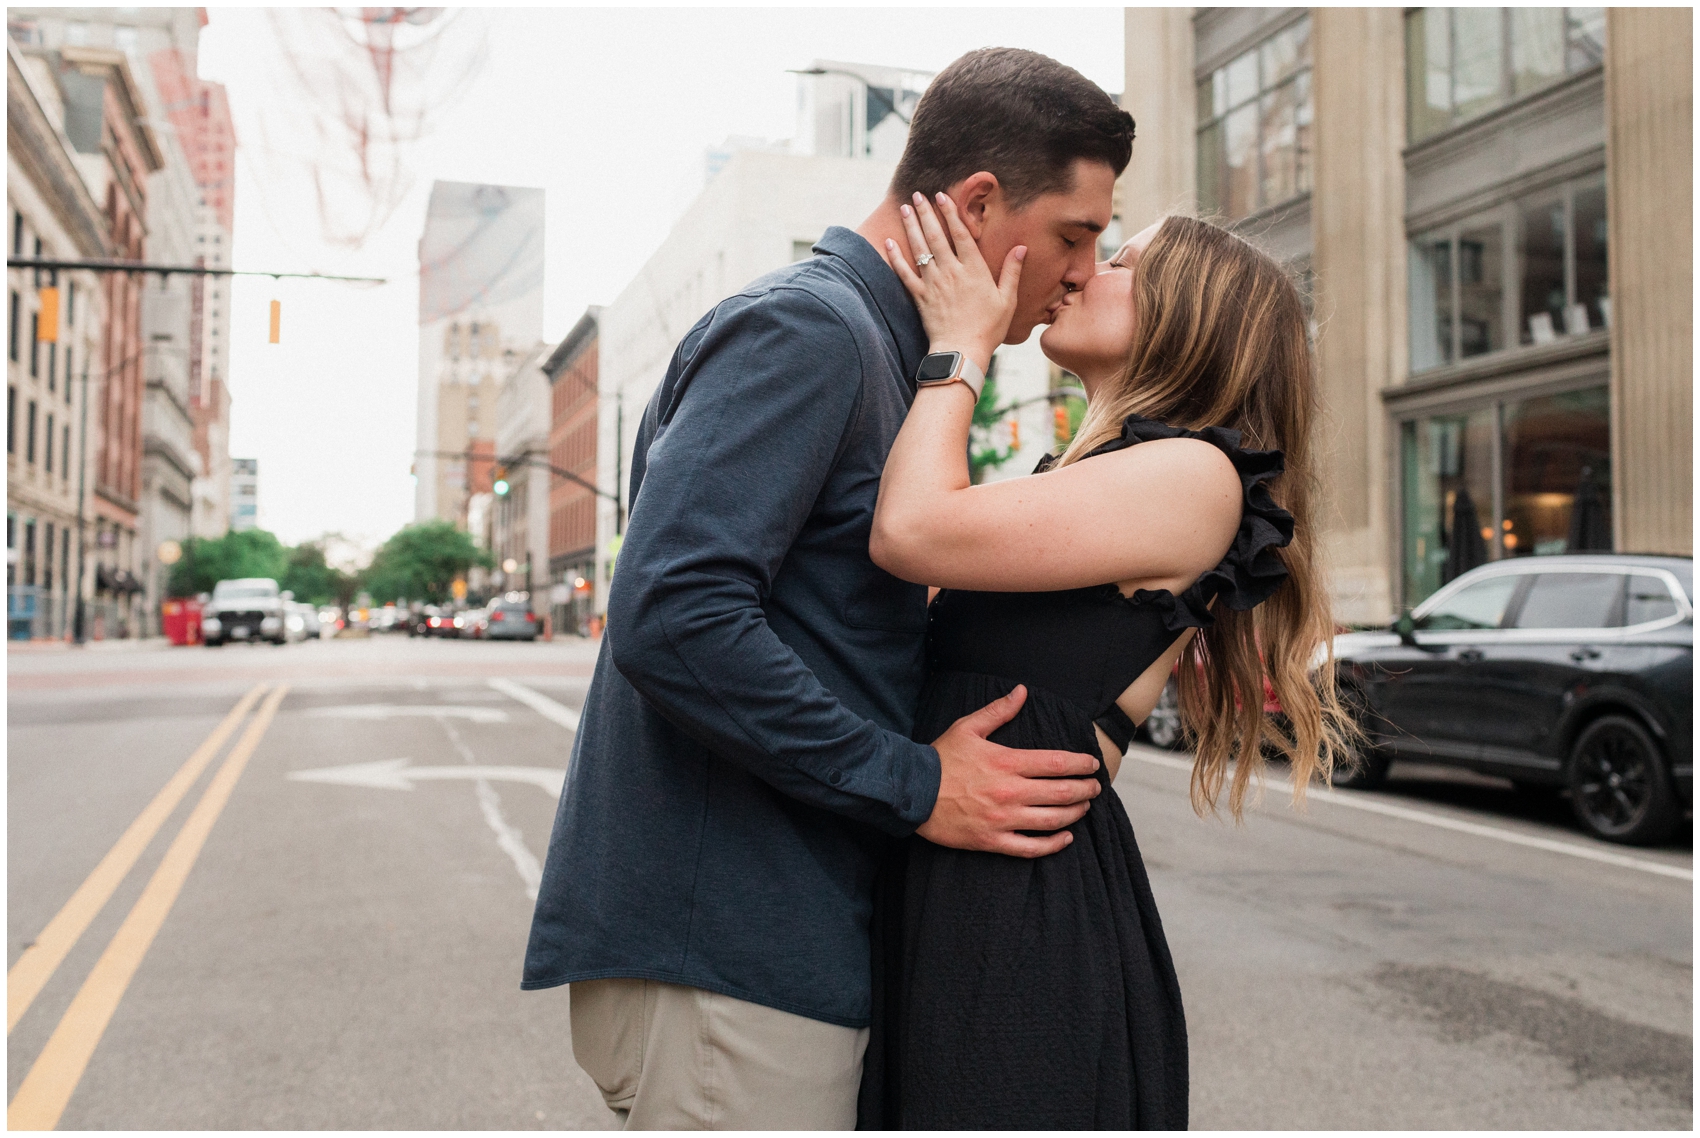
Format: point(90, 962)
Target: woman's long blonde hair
point(1222, 342)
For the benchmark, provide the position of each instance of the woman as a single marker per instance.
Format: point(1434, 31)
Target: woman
point(1176, 527)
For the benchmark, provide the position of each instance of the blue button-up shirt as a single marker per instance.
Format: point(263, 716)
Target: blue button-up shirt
point(744, 751)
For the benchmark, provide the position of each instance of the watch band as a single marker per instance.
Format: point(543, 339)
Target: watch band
point(964, 371)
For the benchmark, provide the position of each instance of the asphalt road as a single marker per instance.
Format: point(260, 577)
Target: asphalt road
point(324, 927)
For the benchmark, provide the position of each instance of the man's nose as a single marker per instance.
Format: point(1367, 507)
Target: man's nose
point(1080, 272)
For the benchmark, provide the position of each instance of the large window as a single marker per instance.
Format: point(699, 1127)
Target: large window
point(1527, 272)
point(1521, 478)
point(1464, 62)
point(1254, 126)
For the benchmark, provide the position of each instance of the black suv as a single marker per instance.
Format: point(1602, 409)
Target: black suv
point(1571, 671)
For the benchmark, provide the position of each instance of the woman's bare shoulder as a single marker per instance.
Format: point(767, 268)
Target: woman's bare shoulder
point(1190, 474)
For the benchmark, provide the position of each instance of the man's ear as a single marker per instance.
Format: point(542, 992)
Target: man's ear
point(973, 197)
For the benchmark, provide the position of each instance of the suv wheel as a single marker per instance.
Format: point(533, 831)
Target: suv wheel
point(1163, 725)
point(1619, 788)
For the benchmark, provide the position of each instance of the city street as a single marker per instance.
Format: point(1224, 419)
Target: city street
point(289, 887)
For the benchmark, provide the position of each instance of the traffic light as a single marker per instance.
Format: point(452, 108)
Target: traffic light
point(1064, 434)
point(277, 321)
point(500, 486)
point(1015, 434)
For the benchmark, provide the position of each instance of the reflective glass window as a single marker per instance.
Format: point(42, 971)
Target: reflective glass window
point(1431, 301)
point(1572, 600)
point(1428, 71)
point(1278, 122)
point(1240, 142)
point(1592, 296)
point(1478, 60)
point(1448, 494)
point(1464, 62)
point(1254, 126)
point(1541, 257)
point(1240, 78)
point(1585, 38)
point(1481, 290)
point(1648, 599)
point(1537, 48)
point(1481, 605)
point(1557, 462)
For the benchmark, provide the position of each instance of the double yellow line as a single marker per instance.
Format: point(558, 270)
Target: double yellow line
point(48, 1087)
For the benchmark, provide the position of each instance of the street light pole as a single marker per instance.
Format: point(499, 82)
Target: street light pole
point(862, 79)
point(82, 493)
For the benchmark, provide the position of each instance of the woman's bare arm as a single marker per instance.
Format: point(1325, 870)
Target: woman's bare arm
point(1160, 512)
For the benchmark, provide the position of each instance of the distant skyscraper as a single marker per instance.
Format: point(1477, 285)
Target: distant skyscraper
point(480, 309)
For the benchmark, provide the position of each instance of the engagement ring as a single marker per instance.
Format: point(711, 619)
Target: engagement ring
point(923, 260)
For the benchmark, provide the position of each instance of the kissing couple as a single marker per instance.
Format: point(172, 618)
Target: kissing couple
point(832, 853)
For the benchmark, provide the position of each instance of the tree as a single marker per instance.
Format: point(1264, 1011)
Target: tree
point(982, 456)
point(207, 561)
point(312, 580)
point(422, 562)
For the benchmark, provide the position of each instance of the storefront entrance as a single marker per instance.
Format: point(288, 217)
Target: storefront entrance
point(1514, 477)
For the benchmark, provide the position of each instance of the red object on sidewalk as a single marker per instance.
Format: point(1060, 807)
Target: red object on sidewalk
point(181, 618)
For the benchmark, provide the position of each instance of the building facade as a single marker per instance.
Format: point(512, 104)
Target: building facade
point(163, 56)
point(521, 512)
point(1442, 184)
point(51, 210)
point(573, 403)
point(199, 116)
point(480, 311)
point(761, 212)
point(87, 76)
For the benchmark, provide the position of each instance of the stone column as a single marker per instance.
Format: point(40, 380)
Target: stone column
point(1650, 189)
point(1158, 92)
point(1358, 232)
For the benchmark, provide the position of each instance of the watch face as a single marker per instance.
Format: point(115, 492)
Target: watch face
point(939, 365)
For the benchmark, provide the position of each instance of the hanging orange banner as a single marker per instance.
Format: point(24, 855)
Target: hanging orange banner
point(47, 316)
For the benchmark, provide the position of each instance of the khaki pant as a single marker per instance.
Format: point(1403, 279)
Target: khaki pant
point(670, 1057)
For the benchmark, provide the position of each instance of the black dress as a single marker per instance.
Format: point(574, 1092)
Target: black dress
point(1039, 993)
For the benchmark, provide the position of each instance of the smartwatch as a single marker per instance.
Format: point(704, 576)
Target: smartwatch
point(941, 368)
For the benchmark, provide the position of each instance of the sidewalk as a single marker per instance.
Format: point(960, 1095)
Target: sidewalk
point(133, 644)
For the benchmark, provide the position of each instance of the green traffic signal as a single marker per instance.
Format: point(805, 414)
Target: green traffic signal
point(501, 486)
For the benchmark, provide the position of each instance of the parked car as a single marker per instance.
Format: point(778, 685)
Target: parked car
point(1162, 728)
point(1572, 671)
point(473, 623)
point(303, 620)
point(433, 620)
point(512, 620)
point(245, 608)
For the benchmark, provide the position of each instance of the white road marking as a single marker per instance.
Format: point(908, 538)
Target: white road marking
point(395, 774)
point(557, 712)
point(1441, 821)
point(508, 837)
point(511, 841)
point(406, 710)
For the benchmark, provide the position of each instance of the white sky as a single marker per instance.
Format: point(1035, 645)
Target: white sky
point(609, 110)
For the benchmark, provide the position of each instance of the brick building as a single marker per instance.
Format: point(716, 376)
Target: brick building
point(572, 373)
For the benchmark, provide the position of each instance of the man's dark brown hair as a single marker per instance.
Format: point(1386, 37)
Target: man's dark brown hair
point(1016, 114)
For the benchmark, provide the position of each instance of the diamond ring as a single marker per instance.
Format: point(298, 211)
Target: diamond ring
point(923, 260)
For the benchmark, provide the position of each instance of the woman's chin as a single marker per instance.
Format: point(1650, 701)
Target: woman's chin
point(1049, 343)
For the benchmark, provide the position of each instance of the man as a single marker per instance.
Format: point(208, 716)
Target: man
point(744, 753)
